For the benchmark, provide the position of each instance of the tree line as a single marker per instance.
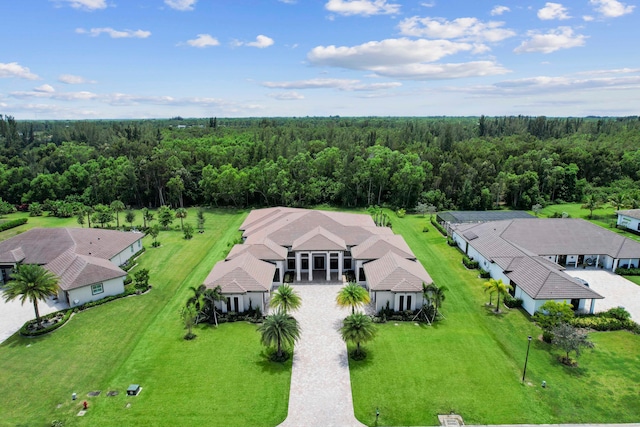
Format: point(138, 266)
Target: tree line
point(448, 162)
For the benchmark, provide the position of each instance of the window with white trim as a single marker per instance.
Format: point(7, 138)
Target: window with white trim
point(98, 288)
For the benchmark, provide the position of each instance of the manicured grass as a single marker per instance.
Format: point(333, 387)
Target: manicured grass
point(220, 378)
point(634, 279)
point(471, 362)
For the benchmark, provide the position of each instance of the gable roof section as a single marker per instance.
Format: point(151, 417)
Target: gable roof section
point(631, 213)
point(244, 273)
point(378, 245)
point(319, 239)
point(267, 251)
point(12, 256)
point(76, 271)
point(396, 274)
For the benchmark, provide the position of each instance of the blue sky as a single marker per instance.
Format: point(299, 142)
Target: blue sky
point(86, 59)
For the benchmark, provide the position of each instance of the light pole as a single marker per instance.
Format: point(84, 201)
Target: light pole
point(526, 359)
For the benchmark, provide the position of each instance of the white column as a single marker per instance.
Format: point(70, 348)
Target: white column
point(282, 265)
point(310, 265)
point(328, 265)
point(593, 306)
point(340, 263)
point(597, 260)
point(577, 261)
point(298, 265)
point(357, 268)
point(615, 264)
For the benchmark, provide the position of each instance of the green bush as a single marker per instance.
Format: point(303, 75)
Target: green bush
point(484, 274)
point(469, 263)
point(12, 224)
point(617, 313)
point(400, 213)
point(451, 242)
point(512, 302)
point(547, 336)
point(628, 271)
point(438, 226)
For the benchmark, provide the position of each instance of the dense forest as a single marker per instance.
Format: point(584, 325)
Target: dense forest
point(451, 163)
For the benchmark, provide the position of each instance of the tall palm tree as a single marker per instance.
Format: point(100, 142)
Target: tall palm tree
point(352, 295)
point(117, 206)
point(592, 203)
point(435, 295)
point(210, 297)
point(619, 201)
point(498, 287)
point(33, 282)
point(279, 328)
point(285, 299)
point(181, 213)
point(358, 328)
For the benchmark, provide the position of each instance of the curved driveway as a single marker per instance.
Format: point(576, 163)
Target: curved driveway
point(320, 393)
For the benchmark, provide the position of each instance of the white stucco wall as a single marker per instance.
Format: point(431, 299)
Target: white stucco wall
point(628, 222)
point(255, 299)
point(84, 295)
point(128, 252)
point(382, 297)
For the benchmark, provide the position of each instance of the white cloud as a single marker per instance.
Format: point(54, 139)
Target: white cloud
point(44, 88)
point(60, 96)
point(425, 4)
point(86, 4)
point(182, 5)
point(465, 29)
point(286, 96)
point(115, 34)
point(13, 69)
point(261, 42)
point(203, 40)
point(70, 79)
point(611, 8)
point(559, 38)
point(287, 1)
point(499, 10)
point(553, 11)
point(362, 7)
point(441, 71)
point(340, 84)
point(588, 18)
point(385, 52)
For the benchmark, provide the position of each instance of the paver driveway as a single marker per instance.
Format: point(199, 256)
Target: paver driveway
point(320, 392)
point(616, 290)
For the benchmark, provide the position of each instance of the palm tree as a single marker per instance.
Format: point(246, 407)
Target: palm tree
point(285, 299)
point(498, 287)
point(210, 298)
point(279, 328)
point(592, 203)
point(358, 328)
point(435, 295)
point(33, 282)
point(117, 206)
point(352, 295)
point(189, 315)
point(619, 201)
point(181, 213)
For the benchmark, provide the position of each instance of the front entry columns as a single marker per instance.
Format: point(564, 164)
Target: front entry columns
point(340, 262)
point(298, 266)
point(328, 265)
point(615, 264)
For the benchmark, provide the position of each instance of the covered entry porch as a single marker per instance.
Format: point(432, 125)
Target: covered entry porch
point(326, 266)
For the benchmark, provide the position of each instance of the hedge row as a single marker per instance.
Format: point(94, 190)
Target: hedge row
point(628, 271)
point(12, 224)
point(438, 227)
point(131, 261)
point(469, 263)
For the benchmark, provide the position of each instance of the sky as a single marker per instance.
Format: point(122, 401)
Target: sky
point(126, 59)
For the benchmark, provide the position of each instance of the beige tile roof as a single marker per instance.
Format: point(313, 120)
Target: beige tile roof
point(395, 272)
point(377, 246)
point(76, 271)
point(633, 213)
point(267, 251)
point(12, 256)
point(319, 239)
point(244, 273)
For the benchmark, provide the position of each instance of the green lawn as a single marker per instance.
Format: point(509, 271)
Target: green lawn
point(472, 362)
point(220, 378)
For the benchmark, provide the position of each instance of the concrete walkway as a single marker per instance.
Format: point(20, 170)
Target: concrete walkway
point(13, 315)
point(320, 393)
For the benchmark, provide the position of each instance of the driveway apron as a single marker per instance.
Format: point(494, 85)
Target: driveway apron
point(320, 393)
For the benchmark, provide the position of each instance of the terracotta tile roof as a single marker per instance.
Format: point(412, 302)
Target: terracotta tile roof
point(267, 251)
point(319, 239)
point(377, 246)
point(76, 271)
point(633, 213)
point(395, 272)
point(244, 273)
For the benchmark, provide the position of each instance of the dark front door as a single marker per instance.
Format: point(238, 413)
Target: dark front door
point(235, 304)
point(401, 303)
point(562, 259)
point(318, 262)
point(575, 303)
point(408, 302)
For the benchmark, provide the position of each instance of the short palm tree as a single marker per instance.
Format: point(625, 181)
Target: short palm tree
point(32, 282)
point(285, 299)
point(181, 213)
point(498, 287)
point(358, 328)
point(435, 295)
point(279, 328)
point(210, 297)
point(352, 295)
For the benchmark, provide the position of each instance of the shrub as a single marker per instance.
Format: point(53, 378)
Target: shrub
point(425, 229)
point(155, 244)
point(451, 242)
point(628, 271)
point(35, 209)
point(512, 302)
point(547, 336)
point(484, 274)
point(12, 224)
point(469, 263)
point(438, 226)
point(617, 313)
point(400, 213)
point(26, 331)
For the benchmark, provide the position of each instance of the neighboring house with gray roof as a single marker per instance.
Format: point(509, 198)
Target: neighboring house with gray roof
point(449, 218)
point(532, 254)
point(86, 260)
point(629, 218)
point(316, 245)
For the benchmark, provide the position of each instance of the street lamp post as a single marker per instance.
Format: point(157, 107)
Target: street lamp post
point(524, 372)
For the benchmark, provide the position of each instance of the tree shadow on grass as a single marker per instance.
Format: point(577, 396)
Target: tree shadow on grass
point(490, 310)
point(574, 371)
point(365, 363)
point(269, 366)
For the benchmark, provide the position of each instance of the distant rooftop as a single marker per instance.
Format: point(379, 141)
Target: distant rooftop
point(459, 217)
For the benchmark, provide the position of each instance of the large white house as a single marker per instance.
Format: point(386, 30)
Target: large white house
point(629, 219)
point(532, 254)
point(86, 260)
point(318, 246)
